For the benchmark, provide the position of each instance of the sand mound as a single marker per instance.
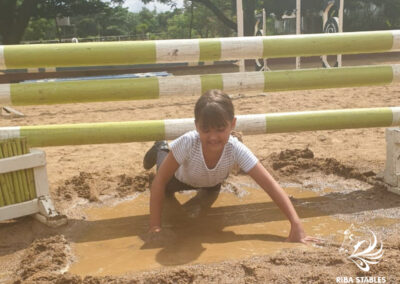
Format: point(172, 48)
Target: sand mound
point(44, 259)
point(291, 162)
point(91, 186)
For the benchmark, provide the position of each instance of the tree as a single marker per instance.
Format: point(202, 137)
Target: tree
point(40, 29)
point(365, 15)
point(205, 24)
point(225, 10)
point(220, 13)
point(16, 14)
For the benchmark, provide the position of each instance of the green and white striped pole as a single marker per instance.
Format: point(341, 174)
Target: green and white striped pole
point(152, 130)
point(156, 87)
point(195, 50)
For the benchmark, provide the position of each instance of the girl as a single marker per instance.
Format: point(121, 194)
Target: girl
point(202, 160)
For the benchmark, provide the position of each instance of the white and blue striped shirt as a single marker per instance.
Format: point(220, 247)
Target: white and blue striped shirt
point(193, 170)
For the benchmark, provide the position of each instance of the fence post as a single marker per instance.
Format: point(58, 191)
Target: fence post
point(392, 165)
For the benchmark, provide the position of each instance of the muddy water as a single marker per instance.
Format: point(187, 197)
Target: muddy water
point(234, 228)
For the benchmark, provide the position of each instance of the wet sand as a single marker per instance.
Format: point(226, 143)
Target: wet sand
point(235, 228)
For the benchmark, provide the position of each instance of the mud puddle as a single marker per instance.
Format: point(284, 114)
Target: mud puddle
point(234, 228)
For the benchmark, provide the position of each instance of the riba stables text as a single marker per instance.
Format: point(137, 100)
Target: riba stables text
point(361, 279)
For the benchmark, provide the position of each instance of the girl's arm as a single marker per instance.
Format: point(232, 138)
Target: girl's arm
point(273, 189)
point(157, 190)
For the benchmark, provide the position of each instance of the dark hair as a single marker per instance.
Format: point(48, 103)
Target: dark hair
point(214, 109)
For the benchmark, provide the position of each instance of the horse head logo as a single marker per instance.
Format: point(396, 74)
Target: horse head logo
point(363, 252)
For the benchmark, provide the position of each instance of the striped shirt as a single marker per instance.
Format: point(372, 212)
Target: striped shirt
point(193, 170)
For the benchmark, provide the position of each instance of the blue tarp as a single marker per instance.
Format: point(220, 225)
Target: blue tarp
point(104, 77)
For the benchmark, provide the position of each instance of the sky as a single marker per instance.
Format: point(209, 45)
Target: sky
point(137, 5)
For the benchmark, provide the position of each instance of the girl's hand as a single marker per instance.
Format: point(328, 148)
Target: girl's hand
point(159, 237)
point(297, 234)
point(153, 235)
point(155, 229)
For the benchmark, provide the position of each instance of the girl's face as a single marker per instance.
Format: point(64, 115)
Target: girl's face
point(214, 139)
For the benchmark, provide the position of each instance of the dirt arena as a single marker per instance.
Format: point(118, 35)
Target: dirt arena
point(333, 178)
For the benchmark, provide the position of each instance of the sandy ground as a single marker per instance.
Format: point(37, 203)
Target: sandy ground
point(339, 167)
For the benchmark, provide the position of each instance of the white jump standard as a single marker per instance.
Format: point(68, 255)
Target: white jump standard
point(41, 206)
point(392, 166)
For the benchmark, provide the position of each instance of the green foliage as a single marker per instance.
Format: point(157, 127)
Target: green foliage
point(205, 24)
point(371, 15)
point(53, 8)
point(177, 26)
point(15, 16)
point(40, 29)
point(197, 18)
point(87, 27)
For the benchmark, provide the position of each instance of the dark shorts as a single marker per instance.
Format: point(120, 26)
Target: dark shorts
point(175, 185)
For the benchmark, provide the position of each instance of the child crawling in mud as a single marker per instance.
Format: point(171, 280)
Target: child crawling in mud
point(202, 159)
